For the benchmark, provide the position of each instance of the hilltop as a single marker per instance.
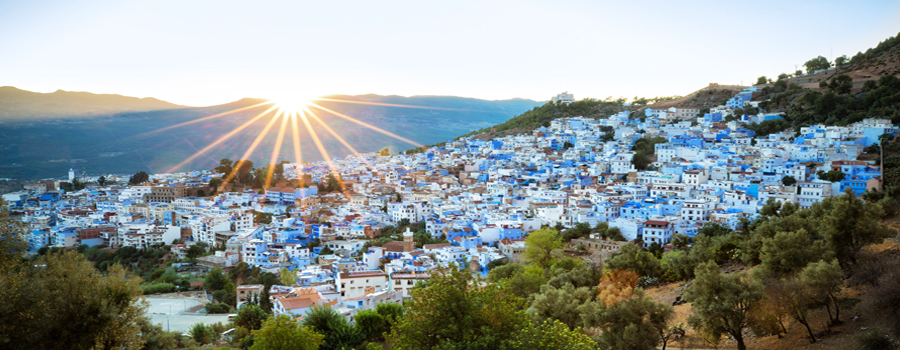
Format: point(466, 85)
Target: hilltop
point(18, 104)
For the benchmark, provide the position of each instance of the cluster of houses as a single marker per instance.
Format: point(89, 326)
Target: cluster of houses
point(480, 197)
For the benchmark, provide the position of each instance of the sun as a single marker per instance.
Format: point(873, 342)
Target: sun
point(293, 102)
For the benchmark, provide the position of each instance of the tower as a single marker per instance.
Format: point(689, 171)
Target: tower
point(408, 243)
point(71, 174)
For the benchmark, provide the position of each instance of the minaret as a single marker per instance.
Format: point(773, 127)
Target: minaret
point(71, 174)
point(408, 243)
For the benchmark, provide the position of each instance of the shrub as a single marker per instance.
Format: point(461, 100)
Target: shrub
point(158, 288)
point(874, 340)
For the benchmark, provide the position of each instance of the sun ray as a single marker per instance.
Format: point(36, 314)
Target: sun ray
point(203, 119)
point(221, 139)
point(252, 147)
point(339, 138)
point(388, 133)
point(298, 155)
point(322, 151)
point(395, 105)
point(275, 151)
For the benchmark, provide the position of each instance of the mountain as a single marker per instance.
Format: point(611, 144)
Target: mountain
point(17, 104)
point(127, 142)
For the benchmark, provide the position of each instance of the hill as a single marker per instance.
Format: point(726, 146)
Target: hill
point(17, 104)
point(127, 142)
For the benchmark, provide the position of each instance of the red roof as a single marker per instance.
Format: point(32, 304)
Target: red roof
point(656, 223)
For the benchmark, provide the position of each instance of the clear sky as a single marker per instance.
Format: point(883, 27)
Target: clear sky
point(200, 53)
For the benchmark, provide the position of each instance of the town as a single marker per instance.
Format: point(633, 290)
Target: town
point(368, 228)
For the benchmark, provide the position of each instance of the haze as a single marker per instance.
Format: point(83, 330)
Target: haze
point(210, 52)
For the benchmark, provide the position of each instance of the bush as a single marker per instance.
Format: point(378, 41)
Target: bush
point(874, 340)
point(217, 308)
point(158, 288)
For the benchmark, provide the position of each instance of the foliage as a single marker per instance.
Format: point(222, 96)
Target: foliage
point(139, 178)
point(217, 308)
point(831, 175)
point(374, 324)
point(60, 301)
point(563, 304)
point(203, 334)
point(539, 246)
point(788, 180)
point(723, 303)
point(283, 333)
point(874, 339)
point(449, 313)
point(288, 278)
point(616, 286)
point(630, 257)
point(636, 322)
point(817, 63)
point(338, 332)
point(157, 288)
point(788, 252)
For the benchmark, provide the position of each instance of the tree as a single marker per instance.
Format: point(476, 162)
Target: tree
point(788, 180)
point(196, 250)
point(60, 301)
point(788, 252)
point(338, 332)
point(841, 84)
point(761, 80)
point(641, 161)
point(839, 61)
point(102, 180)
point(722, 303)
point(817, 63)
point(637, 322)
point(451, 313)
point(250, 317)
point(139, 178)
point(561, 304)
point(539, 246)
point(283, 333)
point(214, 183)
point(12, 238)
point(824, 279)
point(215, 280)
point(374, 324)
point(288, 278)
point(225, 167)
point(630, 257)
point(831, 175)
point(848, 224)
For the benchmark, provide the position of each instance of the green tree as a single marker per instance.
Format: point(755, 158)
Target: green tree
point(848, 224)
point(788, 180)
point(841, 84)
point(283, 333)
point(288, 278)
point(224, 167)
point(561, 304)
point(637, 322)
point(722, 303)
point(641, 161)
point(817, 63)
point(539, 246)
point(250, 317)
point(60, 301)
point(824, 279)
point(214, 183)
point(339, 333)
point(139, 178)
point(102, 180)
point(761, 80)
point(215, 280)
point(788, 252)
point(630, 257)
point(452, 313)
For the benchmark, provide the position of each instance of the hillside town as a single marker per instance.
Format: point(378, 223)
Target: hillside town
point(395, 219)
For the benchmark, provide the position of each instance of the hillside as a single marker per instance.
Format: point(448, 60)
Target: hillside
point(17, 104)
point(706, 97)
point(125, 143)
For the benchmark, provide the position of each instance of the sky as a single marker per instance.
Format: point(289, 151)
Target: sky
point(201, 53)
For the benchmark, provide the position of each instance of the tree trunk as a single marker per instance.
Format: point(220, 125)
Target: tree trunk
point(837, 309)
point(739, 338)
point(812, 337)
point(828, 308)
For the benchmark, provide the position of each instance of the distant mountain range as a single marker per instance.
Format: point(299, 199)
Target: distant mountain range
point(43, 135)
point(17, 104)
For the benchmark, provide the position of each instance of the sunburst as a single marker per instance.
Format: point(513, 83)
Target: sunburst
point(290, 109)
